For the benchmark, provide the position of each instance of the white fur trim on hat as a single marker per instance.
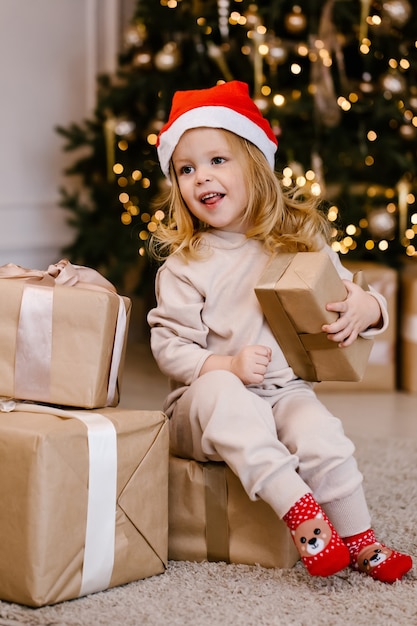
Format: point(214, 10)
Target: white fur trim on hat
point(213, 117)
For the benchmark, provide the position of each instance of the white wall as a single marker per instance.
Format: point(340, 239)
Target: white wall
point(50, 54)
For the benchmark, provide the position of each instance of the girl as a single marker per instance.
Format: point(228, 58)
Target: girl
point(234, 397)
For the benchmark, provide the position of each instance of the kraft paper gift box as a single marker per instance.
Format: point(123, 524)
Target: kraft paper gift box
point(408, 329)
point(83, 501)
point(211, 518)
point(293, 293)
point(63, 336)
point(381, 372)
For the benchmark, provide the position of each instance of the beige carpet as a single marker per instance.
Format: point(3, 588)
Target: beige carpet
point(209, 594)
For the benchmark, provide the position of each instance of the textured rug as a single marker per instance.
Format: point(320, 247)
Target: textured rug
point(209, 594)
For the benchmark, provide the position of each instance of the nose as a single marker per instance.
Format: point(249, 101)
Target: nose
point(202, 175)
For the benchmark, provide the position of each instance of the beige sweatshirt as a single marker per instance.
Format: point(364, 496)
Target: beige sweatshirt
point(209, 306)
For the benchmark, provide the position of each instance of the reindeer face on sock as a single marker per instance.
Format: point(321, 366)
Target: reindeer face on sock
point(312, 536)
point(372, 555)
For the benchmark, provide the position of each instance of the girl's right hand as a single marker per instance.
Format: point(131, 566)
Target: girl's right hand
point(250, 364)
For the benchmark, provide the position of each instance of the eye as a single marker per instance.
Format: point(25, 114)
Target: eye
point(186, 169)
point(303, 539)
point(317, 531)
point(218, 160)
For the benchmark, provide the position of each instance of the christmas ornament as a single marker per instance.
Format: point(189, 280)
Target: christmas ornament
point(124, 127)
point(407, 131)
point(135, 35)
point(381, 224)
point(398, 11)
point(295, 21)
point(168, 58)
point(142, 59)
point(277, 53)
point(393, 82)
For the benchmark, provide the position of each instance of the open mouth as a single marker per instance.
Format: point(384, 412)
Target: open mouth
point(211, 198)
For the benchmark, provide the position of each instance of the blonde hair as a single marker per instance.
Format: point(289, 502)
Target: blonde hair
point(281, 218)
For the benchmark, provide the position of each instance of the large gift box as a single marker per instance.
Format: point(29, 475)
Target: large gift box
point(408, 329)
point(293, 292)
point(211, 518)
point(381, 372)
point(63, 336)
point(83, 500)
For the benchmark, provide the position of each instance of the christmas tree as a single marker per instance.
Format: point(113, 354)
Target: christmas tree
point(336, 79)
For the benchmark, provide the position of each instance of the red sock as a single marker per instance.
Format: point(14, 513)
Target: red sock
point(321, 549)
point(373, 558)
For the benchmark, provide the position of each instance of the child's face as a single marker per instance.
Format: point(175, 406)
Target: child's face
point(211, 178)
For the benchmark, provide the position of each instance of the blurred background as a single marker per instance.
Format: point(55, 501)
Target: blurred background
point(87, 84)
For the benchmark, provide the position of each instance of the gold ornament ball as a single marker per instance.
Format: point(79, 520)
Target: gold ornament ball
point(398, 11)
point(381, 224)
point(168, 58)
point(295, 21)
point(143, 59)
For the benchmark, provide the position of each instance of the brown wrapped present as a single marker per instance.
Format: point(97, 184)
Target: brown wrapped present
point(381, 372)
point(408, 329)
point(211, 518)
point(293, 292)
point(62, 337)
point(83, 500)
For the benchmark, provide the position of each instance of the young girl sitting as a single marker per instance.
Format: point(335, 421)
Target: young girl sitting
point(233, 396)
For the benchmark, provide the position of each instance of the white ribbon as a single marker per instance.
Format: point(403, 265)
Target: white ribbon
point(34, 343)
point(117, 352)
point(102, 492)
point(409, 328)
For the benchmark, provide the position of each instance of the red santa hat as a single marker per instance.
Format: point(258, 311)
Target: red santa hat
point(227, 106)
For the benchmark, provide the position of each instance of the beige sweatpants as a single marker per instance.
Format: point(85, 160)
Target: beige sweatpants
point(281, 443)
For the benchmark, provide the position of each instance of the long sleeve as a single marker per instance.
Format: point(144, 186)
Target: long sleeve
point(347, 274)
point(178, 334)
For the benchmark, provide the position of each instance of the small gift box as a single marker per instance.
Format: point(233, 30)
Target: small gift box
point(211, 518)
point(83, 500)
point(62, 337)
point(293, 293)
point(381, 372)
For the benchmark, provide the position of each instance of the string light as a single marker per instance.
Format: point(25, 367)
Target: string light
point(267, 53)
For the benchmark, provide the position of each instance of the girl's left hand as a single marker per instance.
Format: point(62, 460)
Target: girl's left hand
point(358, 312)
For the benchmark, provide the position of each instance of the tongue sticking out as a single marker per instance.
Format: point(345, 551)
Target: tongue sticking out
point(212, 198)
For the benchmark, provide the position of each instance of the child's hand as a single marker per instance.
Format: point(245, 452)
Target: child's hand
point(358, 312)
point(250, 364)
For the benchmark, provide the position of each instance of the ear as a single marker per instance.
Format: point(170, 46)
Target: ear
point(293, 532)
point(319, 516)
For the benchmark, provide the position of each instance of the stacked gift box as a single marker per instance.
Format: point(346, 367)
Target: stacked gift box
point(83, 484)
point(211, 518)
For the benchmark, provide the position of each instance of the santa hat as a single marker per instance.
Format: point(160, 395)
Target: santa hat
point(227, 106)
